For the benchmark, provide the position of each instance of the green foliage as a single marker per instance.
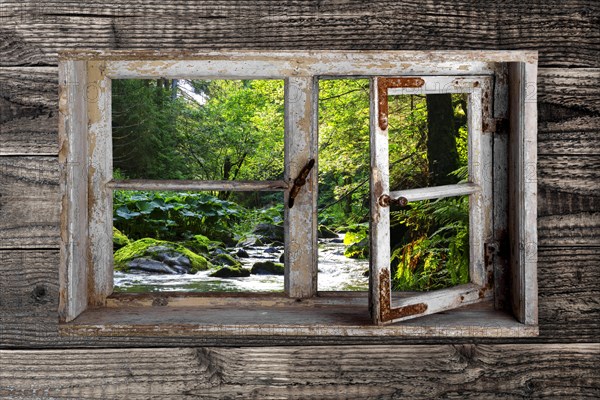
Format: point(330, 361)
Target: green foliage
point(436, 254)
point(144, 248)
point(356, 240)
point(175, 216)
point(221, 129)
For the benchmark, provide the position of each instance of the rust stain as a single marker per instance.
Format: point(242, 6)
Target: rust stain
point(387, 313)
point(383, 84)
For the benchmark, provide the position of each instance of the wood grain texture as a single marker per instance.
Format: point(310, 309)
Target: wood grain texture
point(29, 202)
point(569, 307)
point(513, 371)
point(565, 33)
point(28, 111)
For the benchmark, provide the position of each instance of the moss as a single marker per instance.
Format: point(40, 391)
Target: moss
point(231, 272)
point(225, 259)
point(268, 268)
point(119, 239)
point(202, 244)
point(143, 248)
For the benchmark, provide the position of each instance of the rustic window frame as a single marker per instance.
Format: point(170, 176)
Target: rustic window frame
point(86, 159)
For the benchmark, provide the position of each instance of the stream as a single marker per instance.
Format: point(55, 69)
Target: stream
point(336, 273)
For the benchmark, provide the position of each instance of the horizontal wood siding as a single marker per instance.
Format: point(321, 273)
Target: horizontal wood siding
point(565, 33)
point(514, 371)
point(563, 362)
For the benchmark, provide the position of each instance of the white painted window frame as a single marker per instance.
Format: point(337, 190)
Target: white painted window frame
point(386, 308)
point(86, 159)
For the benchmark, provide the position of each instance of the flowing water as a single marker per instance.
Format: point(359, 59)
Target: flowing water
point(336, 273)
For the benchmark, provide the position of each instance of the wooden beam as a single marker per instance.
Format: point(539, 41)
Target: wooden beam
point(468, 371)
point(300, 221)
point(73, 131)
point(182, 185)
point(437, 192)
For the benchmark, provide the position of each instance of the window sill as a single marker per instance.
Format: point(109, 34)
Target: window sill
point(275, 315)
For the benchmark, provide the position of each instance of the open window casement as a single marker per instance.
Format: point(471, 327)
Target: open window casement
point(384, 309)
point(500, 87)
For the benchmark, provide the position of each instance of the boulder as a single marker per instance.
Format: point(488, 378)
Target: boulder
point(231, 272)
point(326, 233)
point(241, 253)
point(270, 233)
point(225, 259)
point(282, 257)
point(171, 254)
point(267, 268)
point(119, 239)
point(154, 267)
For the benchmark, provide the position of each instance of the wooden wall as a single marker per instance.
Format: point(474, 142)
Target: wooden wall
point(563, 362)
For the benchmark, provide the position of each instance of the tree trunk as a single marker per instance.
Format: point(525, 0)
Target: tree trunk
point(441, 140)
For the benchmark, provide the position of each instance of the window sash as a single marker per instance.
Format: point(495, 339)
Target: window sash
point(383, 308)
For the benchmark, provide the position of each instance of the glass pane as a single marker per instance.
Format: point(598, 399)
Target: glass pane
point(428, 140)
point(198, 241)
point(430, 244)
point(194, 129)
point(344, 168)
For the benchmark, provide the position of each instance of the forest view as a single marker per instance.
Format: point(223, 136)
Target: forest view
point(234, 130)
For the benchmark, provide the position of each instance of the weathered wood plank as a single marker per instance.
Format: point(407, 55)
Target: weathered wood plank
point(29, 202)
point(28, 111)
point(139, 184)
point(513, 371)
point(33, 33)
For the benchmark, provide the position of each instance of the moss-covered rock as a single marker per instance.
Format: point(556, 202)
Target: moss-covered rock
point(231, 272)
point(225, 259)
point(326, 233)
point(269, 233)
point(267, 268)
point(156, 249)
point(119, 239)
point(201, 244)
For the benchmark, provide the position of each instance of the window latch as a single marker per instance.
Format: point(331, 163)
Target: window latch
point(300, 181)
point(385, 201)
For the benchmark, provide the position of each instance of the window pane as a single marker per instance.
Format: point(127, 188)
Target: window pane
point(198, 241)
point(430, 244)
point(193, 129)
point(344, 165)
point(428, 140)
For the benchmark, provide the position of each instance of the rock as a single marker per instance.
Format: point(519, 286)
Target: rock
point(267, 268)
point(282, 257)
point(270, 233)
point(202, 245)
point(271, 250)
point(249, 242)
point(366, 273)
point(231, 272)
point(337, 240)
point(153, 266)
point(225, 259)
point(119, 239)
point(241, 253)
point(171, 254)
point(218, 251)
point(326, 233)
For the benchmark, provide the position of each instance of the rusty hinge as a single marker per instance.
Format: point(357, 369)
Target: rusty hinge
point(383, 84)
point(300, 181)
point(385, 201)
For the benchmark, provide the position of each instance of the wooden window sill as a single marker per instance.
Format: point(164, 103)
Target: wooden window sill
point(273, 315)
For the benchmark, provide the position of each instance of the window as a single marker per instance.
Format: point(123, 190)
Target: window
point(498, 87)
